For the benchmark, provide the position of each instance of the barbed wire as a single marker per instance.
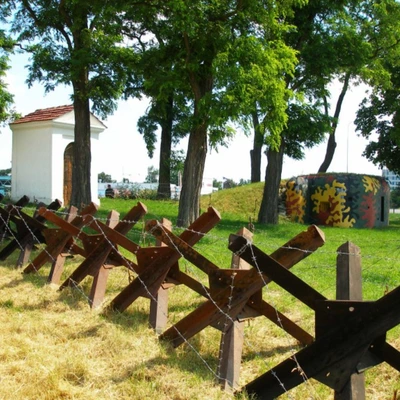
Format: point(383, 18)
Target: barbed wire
point(225, 312)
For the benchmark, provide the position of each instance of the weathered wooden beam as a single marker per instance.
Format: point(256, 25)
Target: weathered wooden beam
point(159, 303)
point(28, 229)
point(214, 309)
point(349, 287)
point(275, 271)
point(57, 239)
point(154, 264)
point(112, 234)
point(153, 270)
point(232, 337)
point(104, 246)
point(386, 353)
point(336, 353)
point(282, 321)
point(4, 213)
point(179, 245)
point(95, 259)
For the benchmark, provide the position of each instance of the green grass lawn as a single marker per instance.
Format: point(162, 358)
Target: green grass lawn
point(55, 347)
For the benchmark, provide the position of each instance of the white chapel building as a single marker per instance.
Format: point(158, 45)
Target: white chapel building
point(42, 155)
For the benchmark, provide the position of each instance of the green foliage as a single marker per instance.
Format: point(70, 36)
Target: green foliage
point(217, 184)
point(378, 119)
point(307, 126)
point(103, 177)
point(7, 113)
point(177, 163)
point(395, 198)
point(6, 171)
point(71, 40)
point(152, 175)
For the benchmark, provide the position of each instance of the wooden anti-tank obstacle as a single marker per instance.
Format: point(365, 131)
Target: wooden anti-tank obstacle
point(159, 265)
point(350, 334)
point(158, 268)
point(60, 242)
point(103, 254)
point(236, 294)
point(5, 226)
point(28, 233)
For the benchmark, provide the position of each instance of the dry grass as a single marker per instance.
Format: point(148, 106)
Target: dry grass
point(54, 347)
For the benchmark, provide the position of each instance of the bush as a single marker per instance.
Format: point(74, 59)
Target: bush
point(135, 192)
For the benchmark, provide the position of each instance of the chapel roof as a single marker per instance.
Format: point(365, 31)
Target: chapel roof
point(45, 114)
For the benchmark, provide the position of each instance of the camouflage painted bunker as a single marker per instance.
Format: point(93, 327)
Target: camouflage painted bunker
point(338, 199)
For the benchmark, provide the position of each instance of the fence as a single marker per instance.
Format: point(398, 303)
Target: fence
point(350, 335)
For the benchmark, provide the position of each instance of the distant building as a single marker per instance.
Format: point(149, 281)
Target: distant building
point(42, 147)
point(391, 178)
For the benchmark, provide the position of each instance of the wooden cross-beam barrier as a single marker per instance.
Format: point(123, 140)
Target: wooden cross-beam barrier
point(247, 283)
point(104, 255)
point(5, 229)
point(154, 263)
point(89, 243)
point(60, 242)
point(350, 335)
point(29, 232)
point(336, 355)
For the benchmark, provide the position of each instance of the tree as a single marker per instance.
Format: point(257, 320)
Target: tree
point(335, 40)
point(152, 175)
point(395, 198)
point(78, 44)
point(306, 126)
point(167, 114)
point(378, 119)
point(6, 98)
point(5, 171)
point(371, 39)
point(209, 43)
point(307, 121)
point(103, 177)
point(162, 84)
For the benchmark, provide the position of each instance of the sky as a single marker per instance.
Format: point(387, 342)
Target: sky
point(125, 151)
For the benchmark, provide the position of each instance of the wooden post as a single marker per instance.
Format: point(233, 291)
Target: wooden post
point(99, 284)
point(232, 336)
point(27, 248)
point(349, 287)
point(159, 305)
point(57, 266)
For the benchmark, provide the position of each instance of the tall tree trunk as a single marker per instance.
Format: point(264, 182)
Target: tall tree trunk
point(201, 82)
point(81, 182)
point(255, 153)
point(164, 180)
point(189, 202)
point(331, 146)
point(268, 213)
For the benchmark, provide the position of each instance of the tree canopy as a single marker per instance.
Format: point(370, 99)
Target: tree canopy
point(77, 44)
point(378, 120)
point(6, 98)
point(226, 54)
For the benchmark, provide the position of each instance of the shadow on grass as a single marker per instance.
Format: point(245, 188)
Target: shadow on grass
point(194, 359)
point(129, 319)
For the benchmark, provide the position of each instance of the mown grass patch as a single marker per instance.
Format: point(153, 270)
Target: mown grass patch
point(55, 347)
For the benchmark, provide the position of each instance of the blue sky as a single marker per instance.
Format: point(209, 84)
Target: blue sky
point(124, 149)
